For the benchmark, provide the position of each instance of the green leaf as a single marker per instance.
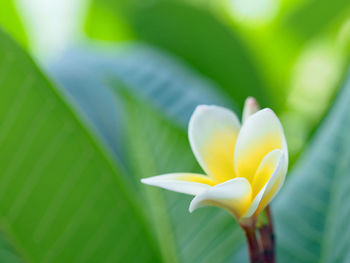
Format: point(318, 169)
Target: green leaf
point(62, 199)
point(314, 17)
point(10, 20)
point(203, 41)
point(199, 38)
point(84, 73)
point(8, 253)
point(107, 23)
point(155, 139)
point(312, 210)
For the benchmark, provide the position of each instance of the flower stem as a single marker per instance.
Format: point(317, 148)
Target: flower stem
point(267, 239)
point(253, 245)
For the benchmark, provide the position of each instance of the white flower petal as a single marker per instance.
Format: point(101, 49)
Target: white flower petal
point(268, 172)
point(261, 133)
point(255, 204)
point(187, 183)
point(233, 195)
point(212, 133)
point(275, 183)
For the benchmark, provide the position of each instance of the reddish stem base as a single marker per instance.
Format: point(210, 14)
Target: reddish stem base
point(261, 250)
point(253, 245)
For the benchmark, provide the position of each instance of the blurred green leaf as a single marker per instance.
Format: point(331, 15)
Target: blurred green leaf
point(8, 253)
point(115, 26)
point(155, 139)
point(314, 16)
point(203, 41)
point(312, 210)
point(10, 20)
point(199, 38)
point(61, 197)
point(85, 74)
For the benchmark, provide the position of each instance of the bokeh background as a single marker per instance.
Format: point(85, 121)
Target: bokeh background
point(97, 94)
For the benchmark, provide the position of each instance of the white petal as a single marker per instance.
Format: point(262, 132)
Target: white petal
point(261, 133)
point(255, 204)
point(275, 183)
point(268, 172)
point(212, 133)
point(250, 107)
point(187, 183)
point(233, 195)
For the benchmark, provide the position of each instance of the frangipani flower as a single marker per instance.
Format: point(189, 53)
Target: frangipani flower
point(245, 165)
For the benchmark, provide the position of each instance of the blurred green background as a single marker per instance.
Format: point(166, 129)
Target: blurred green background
point(96, 94)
